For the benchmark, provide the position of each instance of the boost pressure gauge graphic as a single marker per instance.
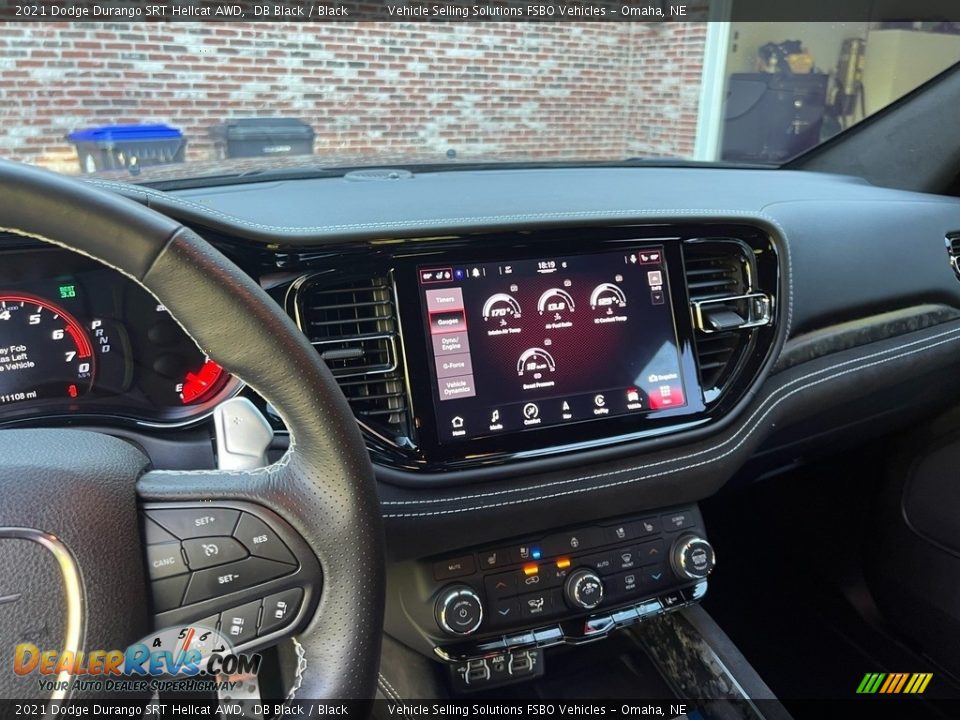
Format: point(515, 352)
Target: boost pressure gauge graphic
point(535, 361)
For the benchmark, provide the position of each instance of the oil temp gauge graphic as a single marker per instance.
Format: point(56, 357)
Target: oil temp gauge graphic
point(500, 307)
point(556, 301)
point(535, 361)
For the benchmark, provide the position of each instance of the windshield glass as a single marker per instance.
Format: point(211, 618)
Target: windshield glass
point(144, 101)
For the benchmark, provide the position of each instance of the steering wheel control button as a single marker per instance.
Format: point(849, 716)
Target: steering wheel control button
point(240, 624)
point(196, 522)
point(583, 589)
point(165, 560)
point(153, 534)
point(211, 551)
point(224, 579)
point(692, 557)
point(454, 568)
point(168, 593)
point(280, 609)
point(459, 610)
point(261, 541)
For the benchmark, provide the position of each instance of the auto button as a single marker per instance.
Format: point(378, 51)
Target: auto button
point(224, 579)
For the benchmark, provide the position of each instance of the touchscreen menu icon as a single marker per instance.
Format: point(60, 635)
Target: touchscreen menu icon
point(447, 320)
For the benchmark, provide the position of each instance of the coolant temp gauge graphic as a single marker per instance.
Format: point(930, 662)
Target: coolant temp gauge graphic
point(535, 361)
point(500, 307)
point(555, 301)
point(606, 295)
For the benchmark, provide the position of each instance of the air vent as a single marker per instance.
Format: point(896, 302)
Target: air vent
point(719, 274)
point(953, 251)
point(353, 325)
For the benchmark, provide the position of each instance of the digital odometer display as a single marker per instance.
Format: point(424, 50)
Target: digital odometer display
point(544, 342)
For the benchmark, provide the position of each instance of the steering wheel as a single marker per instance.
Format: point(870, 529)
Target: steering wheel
point(73, 503)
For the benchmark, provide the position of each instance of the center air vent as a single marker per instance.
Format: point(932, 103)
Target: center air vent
point(353, 325)
point(720, 276)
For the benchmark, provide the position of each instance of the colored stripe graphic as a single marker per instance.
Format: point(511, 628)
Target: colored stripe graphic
point(894, 683)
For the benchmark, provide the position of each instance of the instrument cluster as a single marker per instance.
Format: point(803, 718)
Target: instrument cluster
point(79, 339)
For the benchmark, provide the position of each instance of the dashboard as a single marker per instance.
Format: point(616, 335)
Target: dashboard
point(79, 340)
point(547, 382)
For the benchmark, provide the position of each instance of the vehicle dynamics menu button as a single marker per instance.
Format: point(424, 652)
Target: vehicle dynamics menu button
point(213, 582)
point(210, 551)
point(260, 540)
point(196, 522)
point(279, 609)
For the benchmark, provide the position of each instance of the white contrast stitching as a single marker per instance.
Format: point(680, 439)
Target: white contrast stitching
point(386, 684)
point(948, 339)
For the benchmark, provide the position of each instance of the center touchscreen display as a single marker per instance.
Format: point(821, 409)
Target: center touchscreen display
point(531, 344)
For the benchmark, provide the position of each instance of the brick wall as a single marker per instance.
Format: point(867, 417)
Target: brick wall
point(523, 90)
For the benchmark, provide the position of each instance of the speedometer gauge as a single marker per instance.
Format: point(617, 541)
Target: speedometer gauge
point(44, 351)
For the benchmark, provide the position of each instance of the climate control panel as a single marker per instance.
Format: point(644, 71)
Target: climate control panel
point(659, 559)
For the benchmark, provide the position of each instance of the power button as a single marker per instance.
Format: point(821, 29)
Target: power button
point(459, 610)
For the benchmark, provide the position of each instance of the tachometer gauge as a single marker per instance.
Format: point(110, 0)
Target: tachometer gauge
point(200, 384)
point(44, 351)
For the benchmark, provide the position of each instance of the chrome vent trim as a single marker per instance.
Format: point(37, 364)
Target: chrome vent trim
point(353, 325)
point(719, 273)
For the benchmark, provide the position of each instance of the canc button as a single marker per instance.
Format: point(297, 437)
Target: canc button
point(164, 560)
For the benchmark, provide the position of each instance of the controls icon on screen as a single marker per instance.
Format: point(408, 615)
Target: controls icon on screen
point(531, 411)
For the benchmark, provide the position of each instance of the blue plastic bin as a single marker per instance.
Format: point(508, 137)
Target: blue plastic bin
point(118, 147)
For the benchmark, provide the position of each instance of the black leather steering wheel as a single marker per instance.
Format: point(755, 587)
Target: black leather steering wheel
point(78, 492)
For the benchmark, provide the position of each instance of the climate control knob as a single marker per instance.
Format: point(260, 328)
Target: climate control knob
point(583, 589)
point(692, 557)
point(459, 610)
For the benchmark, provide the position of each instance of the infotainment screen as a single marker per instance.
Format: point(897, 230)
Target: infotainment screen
point(530, 344)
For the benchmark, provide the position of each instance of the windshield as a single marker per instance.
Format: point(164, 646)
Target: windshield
point(141, 101)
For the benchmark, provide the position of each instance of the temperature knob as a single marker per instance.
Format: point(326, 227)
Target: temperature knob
point(583, 589)
point(692, 557)
point(459, 610)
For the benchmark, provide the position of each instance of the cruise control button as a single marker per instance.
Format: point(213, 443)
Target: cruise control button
point(168, 593)
point(196, 522)
point(165, 560)
point(279, 609)
point(240, 623)
point(213, 582)
point(260, 540)
point(210, 551)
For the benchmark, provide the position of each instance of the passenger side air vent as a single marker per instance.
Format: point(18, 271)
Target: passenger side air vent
point(953, 251)
point(725, 307)
point(353, 325)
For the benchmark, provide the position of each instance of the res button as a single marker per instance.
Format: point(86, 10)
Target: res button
point(260, 540)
